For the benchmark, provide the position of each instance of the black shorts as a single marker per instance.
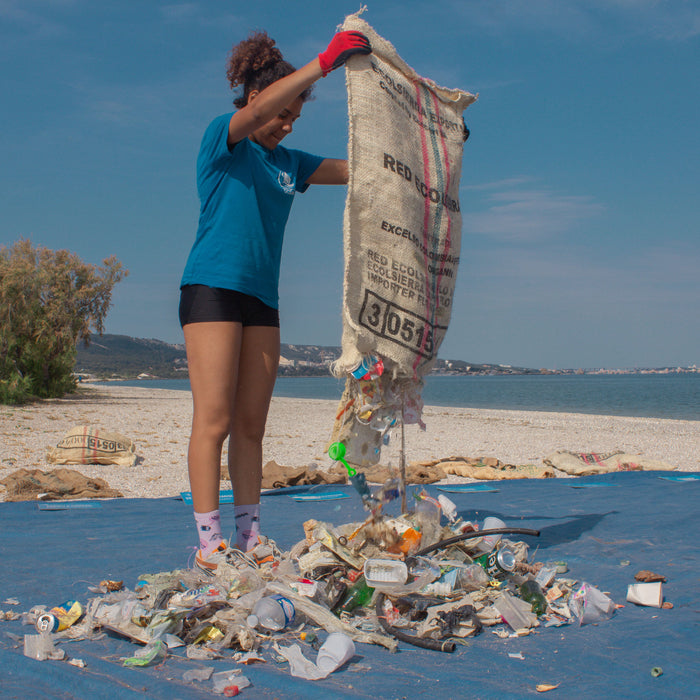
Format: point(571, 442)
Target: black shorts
point(199, 304)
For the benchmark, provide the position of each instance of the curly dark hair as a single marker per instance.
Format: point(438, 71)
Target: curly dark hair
point(255, 63)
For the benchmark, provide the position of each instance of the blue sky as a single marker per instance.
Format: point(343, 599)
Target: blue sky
point(579, 191)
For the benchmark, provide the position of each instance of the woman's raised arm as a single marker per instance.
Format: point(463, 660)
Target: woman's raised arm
point(269, 102)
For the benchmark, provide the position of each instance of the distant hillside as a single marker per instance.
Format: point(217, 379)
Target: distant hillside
point(124, 357)
point(110, 356)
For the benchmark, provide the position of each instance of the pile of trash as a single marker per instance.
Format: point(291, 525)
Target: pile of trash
point(425, 577)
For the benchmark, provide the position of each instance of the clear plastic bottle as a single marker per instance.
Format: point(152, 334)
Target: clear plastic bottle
point(427, 517)
point(273, 612)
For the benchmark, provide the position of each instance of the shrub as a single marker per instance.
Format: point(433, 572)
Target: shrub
point(49, 300)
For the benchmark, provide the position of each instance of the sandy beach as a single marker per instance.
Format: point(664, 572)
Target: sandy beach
point(158, 421)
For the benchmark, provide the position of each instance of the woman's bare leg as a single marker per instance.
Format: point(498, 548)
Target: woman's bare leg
point(213, 351)
point(257, 371)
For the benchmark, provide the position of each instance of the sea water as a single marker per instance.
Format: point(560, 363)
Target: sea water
point(648, 395)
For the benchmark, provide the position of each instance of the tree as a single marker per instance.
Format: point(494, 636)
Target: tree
point(49, 300)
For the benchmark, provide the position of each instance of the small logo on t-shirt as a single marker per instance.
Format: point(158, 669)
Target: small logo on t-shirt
point(286, 182)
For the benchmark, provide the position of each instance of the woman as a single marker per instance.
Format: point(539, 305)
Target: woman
point(228, 304)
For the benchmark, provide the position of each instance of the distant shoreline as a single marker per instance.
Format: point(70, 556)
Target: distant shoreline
point(671, 396)
point(509, 372)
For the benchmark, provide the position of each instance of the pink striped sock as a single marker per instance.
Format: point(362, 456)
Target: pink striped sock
point(209, 529)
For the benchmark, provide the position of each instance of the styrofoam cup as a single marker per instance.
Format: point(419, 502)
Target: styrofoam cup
point(335, 651)
point(649, 594)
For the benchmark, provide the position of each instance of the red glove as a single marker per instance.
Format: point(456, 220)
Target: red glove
point(342, 46)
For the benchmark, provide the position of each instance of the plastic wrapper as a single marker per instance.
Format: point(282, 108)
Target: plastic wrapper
point(198, 674)
point(223, 680)
point(155, 652)
point(41, 647)
point(590, 605)
point(515, 612)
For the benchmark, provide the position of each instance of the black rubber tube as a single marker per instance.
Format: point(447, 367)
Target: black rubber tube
point(446, 645)
point(477, 533)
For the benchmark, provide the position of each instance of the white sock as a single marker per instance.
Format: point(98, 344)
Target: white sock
point(247, 526)
point(209, 530)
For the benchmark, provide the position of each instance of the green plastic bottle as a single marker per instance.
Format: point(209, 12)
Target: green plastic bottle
point(357, 595)
point(531, 592)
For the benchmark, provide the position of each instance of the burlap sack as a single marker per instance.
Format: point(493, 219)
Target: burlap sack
point(277, 476)
point(55, 485)
point(582, 463)
point(497, 473)
point(402, 234)
point(402, 226)
point(85, 444)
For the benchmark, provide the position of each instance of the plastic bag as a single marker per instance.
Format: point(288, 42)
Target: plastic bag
point(591, 605)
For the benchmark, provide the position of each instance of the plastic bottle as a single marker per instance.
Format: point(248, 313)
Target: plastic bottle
point(531, 592)
point(488, 543)
point(358, 594)
point(427, 518)
point(273, 612)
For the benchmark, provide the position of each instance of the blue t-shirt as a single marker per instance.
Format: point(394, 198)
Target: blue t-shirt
point(245, 196)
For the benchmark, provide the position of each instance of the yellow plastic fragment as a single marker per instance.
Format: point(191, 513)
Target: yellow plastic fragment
point(209, 634)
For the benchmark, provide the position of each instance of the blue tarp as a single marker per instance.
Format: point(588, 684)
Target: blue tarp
point(49, 556)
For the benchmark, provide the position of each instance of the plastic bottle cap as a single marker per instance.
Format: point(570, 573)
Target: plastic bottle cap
point(252, 621)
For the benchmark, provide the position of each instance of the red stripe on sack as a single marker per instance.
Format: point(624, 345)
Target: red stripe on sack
point(84, 455)
point(426, 214)
point(448, 237)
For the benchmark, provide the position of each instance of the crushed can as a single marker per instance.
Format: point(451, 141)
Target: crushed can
point(60, 617)
point(498, 563)
point(370, 367)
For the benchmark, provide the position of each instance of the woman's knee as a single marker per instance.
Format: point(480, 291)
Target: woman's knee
point(214, 429)
point(248, 428)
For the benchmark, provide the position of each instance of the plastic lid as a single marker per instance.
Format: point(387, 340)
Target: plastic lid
point(252, 621)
